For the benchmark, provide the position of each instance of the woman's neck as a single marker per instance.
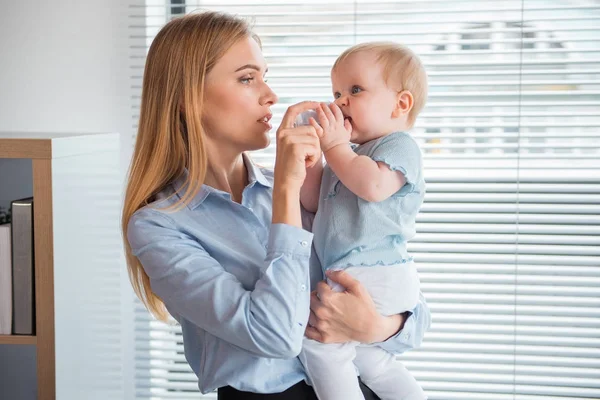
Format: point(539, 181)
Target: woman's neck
point(228, 174)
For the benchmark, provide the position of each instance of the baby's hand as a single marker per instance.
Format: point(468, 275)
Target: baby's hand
point(332, 129)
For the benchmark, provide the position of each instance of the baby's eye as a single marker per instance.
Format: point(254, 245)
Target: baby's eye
point(356, 89)
point(337, 95)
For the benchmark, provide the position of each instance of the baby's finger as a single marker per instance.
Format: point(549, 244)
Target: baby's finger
point(348, 125)
point(337, 112)
point(318, 128)
point(327, 112)
point(323, 120)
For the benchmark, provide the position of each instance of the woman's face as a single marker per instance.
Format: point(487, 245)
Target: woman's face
point(237, 99)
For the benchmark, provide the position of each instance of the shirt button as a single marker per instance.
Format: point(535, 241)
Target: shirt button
point(406, 336)
point(304, 243)
point(303, 287)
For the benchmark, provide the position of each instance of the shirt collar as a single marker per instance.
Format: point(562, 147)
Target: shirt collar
point(255, 175)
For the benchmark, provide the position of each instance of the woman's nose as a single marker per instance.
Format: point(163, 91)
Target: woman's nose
point(269, 96)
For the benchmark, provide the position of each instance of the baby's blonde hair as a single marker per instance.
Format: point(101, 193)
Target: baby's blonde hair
point(402, 70)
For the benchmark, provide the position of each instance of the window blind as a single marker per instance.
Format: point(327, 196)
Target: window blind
point(508, 242)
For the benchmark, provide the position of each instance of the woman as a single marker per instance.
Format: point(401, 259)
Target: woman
point(216, 241)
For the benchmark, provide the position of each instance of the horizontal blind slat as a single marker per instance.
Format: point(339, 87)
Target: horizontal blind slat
point(507, 239)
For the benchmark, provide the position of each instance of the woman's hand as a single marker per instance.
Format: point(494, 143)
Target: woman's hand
point(297, 148)
point(338, 317)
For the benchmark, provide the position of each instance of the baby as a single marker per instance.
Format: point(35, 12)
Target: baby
point(366, 200)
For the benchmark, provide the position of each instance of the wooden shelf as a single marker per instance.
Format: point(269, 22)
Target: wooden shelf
point(23, 148)
point(67, 173)
point(44, 146)
point(18, 339)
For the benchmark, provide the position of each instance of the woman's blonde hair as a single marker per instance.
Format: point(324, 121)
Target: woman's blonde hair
point(170, 137)
point(402, 70)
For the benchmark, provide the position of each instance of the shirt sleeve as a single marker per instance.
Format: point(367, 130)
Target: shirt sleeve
point(316, 271)
point(411, 335)
point(268, 321)
point(401, 153)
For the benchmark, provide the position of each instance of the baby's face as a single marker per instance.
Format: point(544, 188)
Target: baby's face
point(364, 97)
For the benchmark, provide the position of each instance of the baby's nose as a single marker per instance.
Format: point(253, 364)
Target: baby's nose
point(341, 101)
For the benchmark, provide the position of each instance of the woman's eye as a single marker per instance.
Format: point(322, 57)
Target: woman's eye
point(246, 81)
point(356, 89)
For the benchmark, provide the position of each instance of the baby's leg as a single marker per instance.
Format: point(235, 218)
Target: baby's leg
point(331, 370)
point(394, 289)
point(386, 376)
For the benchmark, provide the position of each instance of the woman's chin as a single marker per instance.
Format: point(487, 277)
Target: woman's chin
point(260, 143)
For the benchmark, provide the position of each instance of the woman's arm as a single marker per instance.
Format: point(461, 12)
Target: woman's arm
point(298, 149)
point(309, 195)
point(268, 321)
point(338, 317)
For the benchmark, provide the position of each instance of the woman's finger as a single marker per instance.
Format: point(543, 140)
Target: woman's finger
point(299, 130)
point(293, 111)
point(323, 292)
point(313, 333)
point(293, 140)
point(346, 280)
point(312, 319)
point(299, 146)
point(314, 300)
point(303, 148)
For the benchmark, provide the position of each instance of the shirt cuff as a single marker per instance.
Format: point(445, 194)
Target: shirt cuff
point(402, 340)
point(288, 239)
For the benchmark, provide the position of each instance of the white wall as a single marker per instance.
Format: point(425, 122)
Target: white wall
point(64, 67)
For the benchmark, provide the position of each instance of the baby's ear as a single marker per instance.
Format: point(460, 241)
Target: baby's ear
point(404, 103)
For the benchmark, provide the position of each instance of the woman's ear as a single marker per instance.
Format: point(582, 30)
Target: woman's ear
point(404, 103)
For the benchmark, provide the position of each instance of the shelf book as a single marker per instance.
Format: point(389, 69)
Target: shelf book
point(17, 308)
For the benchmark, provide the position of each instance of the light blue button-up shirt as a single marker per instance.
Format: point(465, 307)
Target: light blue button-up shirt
point(238, 284)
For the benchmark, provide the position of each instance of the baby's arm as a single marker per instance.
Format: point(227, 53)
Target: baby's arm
point(368, 179)
point(309, 194)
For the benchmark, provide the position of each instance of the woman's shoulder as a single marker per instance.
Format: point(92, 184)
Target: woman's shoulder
point(159, 208)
